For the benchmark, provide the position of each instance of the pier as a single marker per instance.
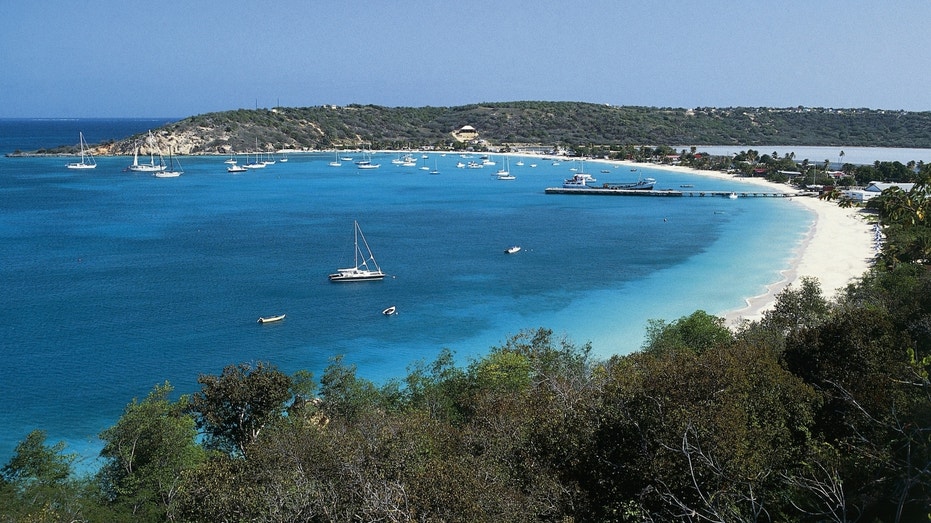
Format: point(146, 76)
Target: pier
point(601, 191)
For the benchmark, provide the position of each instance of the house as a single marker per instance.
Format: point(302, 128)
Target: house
point(466, 133)
point(874, 189)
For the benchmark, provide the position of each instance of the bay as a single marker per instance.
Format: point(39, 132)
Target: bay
point(114, 282)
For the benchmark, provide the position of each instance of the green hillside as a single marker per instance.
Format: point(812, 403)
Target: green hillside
point(544, 123)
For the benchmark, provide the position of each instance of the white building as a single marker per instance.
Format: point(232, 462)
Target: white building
point(874, 189)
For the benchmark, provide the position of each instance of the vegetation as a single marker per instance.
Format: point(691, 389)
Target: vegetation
point(566, 125)
point(820, 411)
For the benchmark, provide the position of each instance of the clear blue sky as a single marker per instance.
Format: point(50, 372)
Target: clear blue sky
point(165, 58)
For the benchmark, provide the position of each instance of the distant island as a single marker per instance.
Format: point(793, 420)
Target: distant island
point(518, 125)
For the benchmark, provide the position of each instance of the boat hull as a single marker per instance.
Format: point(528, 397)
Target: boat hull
point(270, 319)
point(147, 168)
point(340, 277)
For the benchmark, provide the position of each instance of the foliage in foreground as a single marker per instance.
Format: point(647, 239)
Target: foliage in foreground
point(820, 411)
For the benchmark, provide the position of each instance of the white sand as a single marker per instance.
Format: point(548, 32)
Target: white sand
point(839, 247)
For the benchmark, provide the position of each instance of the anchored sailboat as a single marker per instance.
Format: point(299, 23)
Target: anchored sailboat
point(87, 159)
point(361, 271)
point(170, 172)
point(151, 166)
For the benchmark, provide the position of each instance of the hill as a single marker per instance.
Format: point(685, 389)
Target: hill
point(544, 123)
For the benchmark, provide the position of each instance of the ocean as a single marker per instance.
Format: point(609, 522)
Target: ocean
point(114, 282)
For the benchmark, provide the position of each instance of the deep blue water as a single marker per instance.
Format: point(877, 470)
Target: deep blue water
point(114, 282)
point(31, 134)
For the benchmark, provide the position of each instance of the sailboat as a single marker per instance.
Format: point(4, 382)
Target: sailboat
point(151, 166)
point(336, 162)
point(258, 163)
point(170, 172)
point(361, 271)
point(435, 169)
point(505, 172)
point(87, 159)
point(366, 162)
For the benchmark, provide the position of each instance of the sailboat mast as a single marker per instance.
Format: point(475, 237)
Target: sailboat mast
point(355, 238)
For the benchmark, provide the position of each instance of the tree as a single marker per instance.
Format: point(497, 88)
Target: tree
point(684, 435)
point(805, 306)
point(876, 406)
point(347, 396)
point(697, 332)
point(37, 484)
point(233, 408)
point(906, 218)
point(147, 451)
point(36, 464)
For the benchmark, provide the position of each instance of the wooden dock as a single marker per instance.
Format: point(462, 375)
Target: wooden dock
point(601, 191)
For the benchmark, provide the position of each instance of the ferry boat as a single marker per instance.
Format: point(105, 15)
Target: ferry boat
point(643, 184)
point(578, 180)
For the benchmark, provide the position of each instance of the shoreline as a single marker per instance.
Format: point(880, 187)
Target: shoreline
point(838, 248)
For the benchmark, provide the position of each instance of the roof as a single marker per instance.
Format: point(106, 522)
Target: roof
point(881, 186)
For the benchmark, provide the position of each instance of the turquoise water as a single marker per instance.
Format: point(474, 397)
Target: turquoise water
point(114, 282)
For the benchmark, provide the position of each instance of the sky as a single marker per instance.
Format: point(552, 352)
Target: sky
point(177, 58)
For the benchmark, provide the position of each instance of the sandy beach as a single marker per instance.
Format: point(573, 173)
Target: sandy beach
point(838, 249)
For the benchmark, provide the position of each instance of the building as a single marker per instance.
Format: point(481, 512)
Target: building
point(466, 133)
point(874, 189)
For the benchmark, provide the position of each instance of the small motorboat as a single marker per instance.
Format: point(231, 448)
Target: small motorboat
point(390, 310)
point(513, 249)
point(270, 319)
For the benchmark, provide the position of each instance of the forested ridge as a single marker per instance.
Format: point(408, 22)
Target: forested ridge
point(563, 124)
point(820, 411)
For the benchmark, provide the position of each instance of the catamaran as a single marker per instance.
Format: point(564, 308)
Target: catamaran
point(361, 271)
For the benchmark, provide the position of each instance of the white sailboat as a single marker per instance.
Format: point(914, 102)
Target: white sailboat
point(151, 166)
point(361, 270)
point(336, 162)
point(366, 162)
point(258, 163)
point(87, 159)
point(170, 171)
point(505, 172)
